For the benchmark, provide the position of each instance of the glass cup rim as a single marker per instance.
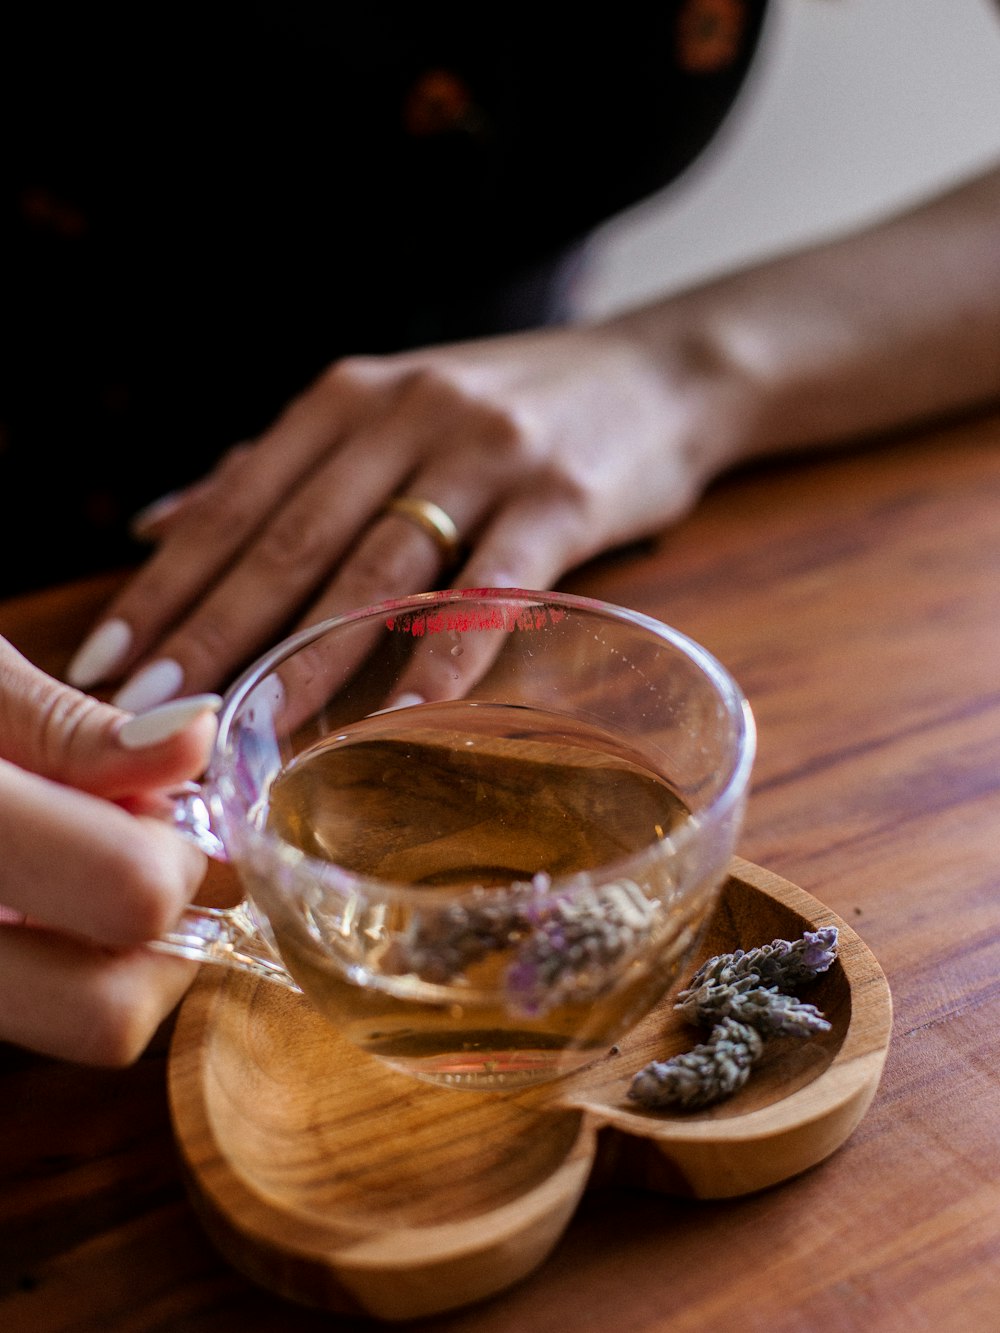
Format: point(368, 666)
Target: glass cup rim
point(340, 878)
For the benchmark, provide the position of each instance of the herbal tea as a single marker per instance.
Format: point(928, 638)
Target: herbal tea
point(457, 795)
point(482, 893)
point(456, 978)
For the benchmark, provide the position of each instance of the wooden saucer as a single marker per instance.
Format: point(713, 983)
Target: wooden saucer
point(340, 1183)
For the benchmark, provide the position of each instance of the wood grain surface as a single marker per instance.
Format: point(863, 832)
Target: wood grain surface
point(337, 1181)
point(857, 600)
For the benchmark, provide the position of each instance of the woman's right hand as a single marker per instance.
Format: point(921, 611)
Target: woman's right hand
point(86, 878)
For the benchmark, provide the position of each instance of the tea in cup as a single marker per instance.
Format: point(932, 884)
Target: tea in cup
point(480, 830)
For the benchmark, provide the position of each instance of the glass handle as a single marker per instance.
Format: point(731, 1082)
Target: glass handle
point(226, 936)
point(188, 812)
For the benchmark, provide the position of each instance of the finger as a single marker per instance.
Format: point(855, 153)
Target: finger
point(153, 522)
point(57, 732)
point(439, 653)
point(358, 457)
point(401, 553)
point(530, 544)
point(395, 558)
point(217, 523)
point(259, 596)
point(73, 1000)
point(82, 865)
point(312, 677)
point(469, 476)
point(195, 532)
point(328, 515)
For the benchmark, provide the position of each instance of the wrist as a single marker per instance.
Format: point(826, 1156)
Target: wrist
point(706, 394)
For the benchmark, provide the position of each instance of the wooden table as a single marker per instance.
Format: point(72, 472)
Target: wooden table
point(857, 600)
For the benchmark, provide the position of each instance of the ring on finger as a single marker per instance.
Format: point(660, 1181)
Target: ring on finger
point(432, 519)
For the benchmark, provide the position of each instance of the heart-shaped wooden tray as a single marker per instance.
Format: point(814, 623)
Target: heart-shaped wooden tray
point(340, 1183)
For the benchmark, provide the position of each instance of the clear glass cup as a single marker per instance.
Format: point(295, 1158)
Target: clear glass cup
point(480, 830)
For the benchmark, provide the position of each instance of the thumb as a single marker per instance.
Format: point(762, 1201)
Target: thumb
point(53, 730)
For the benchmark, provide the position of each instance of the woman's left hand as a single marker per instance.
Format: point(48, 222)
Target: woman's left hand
point(543, 449)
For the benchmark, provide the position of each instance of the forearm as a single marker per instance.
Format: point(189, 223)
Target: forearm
point(888, 326)
point(546, 448)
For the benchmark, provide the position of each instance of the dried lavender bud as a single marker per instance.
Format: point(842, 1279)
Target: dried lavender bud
point(788, 964)
point(569, 945)
point(577, 944)
point(738, 994)
point(443, 943)
point(769, 1010)
point(705, 1075)
point(782, 963)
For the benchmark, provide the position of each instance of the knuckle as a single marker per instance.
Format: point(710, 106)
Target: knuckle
point(114, 1039)
point(210, 640)
point(232, 465)
point(433, 394)
point(62, 714)
point(356, 367)
point(120, 1017)
point(151, 890)
point(382, 568)
point(429, 383)
point(445, 402)
point(510, 431)
point(347, 376)
point(224, 513)
point(292, 541)
point(575, 483)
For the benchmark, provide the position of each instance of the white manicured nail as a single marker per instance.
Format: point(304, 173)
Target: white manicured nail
point(154, 684)
point(154, 513)
point(166, 720)
point(99, 654)
point(405, 700)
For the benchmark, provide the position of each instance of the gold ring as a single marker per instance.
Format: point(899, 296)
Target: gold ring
point(438, 525)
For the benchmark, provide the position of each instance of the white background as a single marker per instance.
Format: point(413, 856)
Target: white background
point(856, 107)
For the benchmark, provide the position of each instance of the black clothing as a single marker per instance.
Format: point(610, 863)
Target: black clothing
point(204, 205)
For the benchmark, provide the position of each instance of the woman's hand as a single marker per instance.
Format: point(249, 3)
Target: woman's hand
point(547, 448)
point(543, 449)
point(85, 877)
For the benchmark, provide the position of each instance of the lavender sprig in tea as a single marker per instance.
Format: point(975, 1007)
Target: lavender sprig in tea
point(568, 946)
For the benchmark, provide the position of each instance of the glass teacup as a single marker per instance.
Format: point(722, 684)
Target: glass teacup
point(480, 830)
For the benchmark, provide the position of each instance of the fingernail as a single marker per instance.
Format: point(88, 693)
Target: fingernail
point(147, 519)
point(405, 700)
point(99, 654)
point(166, 720)
point(154, 684)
